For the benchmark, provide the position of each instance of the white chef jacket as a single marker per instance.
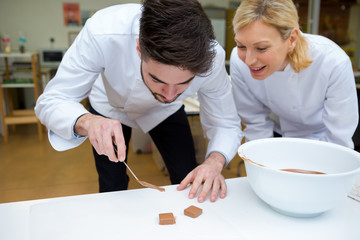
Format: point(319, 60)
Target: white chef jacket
point(103, 64)
point(318, 103)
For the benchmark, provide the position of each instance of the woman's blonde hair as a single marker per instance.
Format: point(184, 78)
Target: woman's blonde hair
point(281, 14)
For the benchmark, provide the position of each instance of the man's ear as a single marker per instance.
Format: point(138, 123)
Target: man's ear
point(293, 39)
point(138, 48)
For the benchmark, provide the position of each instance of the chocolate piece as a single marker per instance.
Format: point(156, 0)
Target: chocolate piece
point(166, 218)
point(193, 211)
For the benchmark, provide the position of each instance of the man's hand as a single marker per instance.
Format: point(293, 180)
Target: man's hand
point(103, 133)
point(208, 174)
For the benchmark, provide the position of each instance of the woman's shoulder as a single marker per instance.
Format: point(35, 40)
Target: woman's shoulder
point(323, 51)
point(328, 58)
point(322, 45)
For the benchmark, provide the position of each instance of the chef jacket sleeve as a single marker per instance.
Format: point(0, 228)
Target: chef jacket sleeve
point(218, 116)
point(340, 113)
point(59, 105)
point(254, 114)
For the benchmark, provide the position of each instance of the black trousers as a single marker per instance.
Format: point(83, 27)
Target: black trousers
point(174, 141)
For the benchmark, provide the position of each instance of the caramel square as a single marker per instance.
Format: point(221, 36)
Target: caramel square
point(193, 211)
point(166, 218)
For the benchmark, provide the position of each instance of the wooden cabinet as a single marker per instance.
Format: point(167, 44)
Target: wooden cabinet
point(8, 81)
point(230, 42)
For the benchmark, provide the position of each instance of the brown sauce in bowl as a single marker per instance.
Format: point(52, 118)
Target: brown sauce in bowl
point(301, 171)
point(294, 170)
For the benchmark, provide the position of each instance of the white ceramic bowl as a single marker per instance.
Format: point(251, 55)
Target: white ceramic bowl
point(298, 194)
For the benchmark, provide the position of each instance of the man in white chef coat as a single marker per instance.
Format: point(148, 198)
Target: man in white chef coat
point(136, 63)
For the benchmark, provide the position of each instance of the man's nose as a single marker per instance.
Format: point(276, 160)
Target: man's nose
point(169, 92)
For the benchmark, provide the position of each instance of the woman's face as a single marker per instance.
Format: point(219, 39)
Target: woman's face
point(262, 49)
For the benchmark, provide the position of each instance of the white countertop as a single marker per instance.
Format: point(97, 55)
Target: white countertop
point(192, 105)
point(133, 214)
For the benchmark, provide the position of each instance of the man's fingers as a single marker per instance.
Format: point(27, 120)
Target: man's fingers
point(223, 188)
point(215, 190)
point(109, 149)
point(197, 182)
point(118, 138)
point(186, 181)
point(96, 141)
point(205, 189)
point(205, 180)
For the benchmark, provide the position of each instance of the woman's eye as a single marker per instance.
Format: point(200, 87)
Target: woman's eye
point(241, 47)
point(262, 49)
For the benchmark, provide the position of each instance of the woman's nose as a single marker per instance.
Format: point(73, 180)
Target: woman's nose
point(250, 58)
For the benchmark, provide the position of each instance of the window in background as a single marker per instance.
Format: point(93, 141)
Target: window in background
point(338, 20)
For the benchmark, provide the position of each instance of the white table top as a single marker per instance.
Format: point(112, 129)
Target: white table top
point(133, 214)
point(192, 105)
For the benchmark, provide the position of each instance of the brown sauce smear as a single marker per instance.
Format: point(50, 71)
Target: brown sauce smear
point(248, 160)
point(149, 185)
point(285, 169)
point(301, 171)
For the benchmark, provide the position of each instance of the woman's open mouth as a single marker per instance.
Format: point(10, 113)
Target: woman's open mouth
point(257, 70)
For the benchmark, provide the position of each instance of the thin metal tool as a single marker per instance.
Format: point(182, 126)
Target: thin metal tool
point(130, 171)
point(143, 183)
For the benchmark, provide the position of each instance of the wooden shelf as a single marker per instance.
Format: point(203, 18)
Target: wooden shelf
point(20, 119)
point(19, 116)
point(17, 55)
point(17, 85)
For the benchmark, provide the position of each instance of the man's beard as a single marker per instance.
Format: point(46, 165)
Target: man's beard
point(157, 96)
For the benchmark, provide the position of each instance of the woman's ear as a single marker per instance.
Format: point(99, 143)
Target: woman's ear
point(293, 39)
point(138, 48)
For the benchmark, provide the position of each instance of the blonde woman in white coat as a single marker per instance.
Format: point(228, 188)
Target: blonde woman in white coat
point(287, 82)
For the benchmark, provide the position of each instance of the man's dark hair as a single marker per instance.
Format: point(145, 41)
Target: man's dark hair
point(177, 33)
